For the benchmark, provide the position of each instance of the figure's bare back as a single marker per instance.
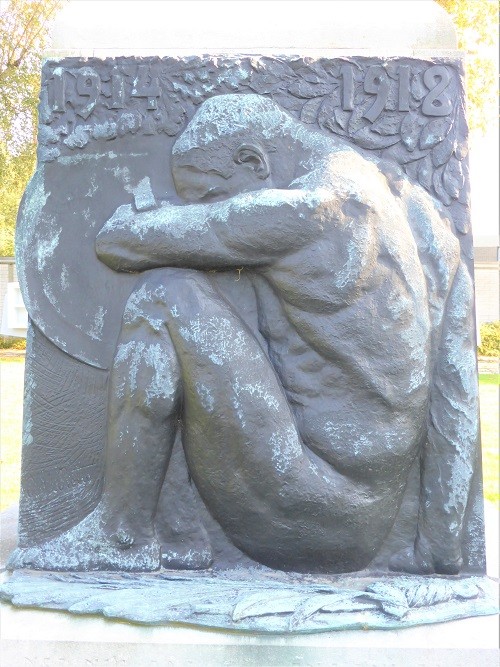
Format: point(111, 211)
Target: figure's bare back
point(350, 330)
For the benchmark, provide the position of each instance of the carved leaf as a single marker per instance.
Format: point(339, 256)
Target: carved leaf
point(356, 121)
point(78, 138)
point(434, 592)
point(331, 603)
point(438, 186)
point(461, 149)
point(311, 73)
point(411, 170)
point(264, 84)
point(399, 153)
point(461, 218)
point(434, 132)
point(326, 116)
point(128, 121)
point(342, 117)
point(464, 196)
point(280, 68)
point(410, 129)
point(417, 88)
point(453, 177)
point(262, 604)
point(309, 112)
point(443, 151)
point(425, 172)
point(365, 138)
point(392, 600)
point(168, 124)
point(307, 90)
point(287, 101)
point(106, 130)
point(387, 125)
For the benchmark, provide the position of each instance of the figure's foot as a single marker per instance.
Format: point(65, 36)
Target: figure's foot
point(89, 547)
point(181, 558)
point(407, 560)
point(421, 559)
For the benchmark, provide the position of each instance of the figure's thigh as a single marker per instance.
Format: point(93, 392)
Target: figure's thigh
point(279, 502)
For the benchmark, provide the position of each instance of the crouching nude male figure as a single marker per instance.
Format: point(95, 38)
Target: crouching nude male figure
point(301, 447)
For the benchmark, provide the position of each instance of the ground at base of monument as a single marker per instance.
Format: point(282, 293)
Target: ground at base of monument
point(271, 602)
point(59, 639)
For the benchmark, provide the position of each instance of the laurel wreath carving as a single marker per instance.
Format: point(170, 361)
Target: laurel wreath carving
point(430, 150)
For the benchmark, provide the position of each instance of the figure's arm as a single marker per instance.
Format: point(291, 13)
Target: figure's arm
point(246, 230)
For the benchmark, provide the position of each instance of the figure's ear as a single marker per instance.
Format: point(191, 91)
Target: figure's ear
point(254, 157)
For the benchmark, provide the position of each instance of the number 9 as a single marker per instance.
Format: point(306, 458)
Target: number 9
point(88, 84)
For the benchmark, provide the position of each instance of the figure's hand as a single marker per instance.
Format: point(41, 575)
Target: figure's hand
point(129, 239)
point(115, 241)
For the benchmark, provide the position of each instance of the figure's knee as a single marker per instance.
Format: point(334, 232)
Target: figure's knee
point(147, 376)
point(162, 294)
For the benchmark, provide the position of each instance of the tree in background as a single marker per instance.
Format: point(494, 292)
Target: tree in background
point(23, 37)
point(476, 22)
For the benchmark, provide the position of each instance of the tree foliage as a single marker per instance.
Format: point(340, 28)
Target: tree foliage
point(24, 28)
point(476, 22)
point(490, 339)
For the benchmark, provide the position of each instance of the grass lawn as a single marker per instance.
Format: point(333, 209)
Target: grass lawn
point(11, 399)
point(489, 395)
point(11, 412)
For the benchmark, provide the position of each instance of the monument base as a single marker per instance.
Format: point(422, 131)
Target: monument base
point(269, 602)
point(57, 638)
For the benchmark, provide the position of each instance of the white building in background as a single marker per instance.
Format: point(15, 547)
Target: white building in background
point(13, 315)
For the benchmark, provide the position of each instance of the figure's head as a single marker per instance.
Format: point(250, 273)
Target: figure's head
point(226, 149)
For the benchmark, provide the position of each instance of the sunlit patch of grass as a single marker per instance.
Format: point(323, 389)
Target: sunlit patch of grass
point(11, 415)
point(491, 378)
point(489, 396)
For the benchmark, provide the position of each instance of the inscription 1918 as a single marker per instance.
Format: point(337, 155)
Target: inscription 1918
point(377, 82)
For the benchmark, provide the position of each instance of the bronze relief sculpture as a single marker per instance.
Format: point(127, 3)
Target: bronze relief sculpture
point(257, 303)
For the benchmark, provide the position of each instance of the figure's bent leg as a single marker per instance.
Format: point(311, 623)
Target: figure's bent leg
point(450, 455)
point(143, 413)
point(277, 501)
point(143, 416)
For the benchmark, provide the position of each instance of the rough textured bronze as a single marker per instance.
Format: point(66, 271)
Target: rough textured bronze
point(251, 301)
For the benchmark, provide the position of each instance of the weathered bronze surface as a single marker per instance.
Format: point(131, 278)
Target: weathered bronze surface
point(251, 341)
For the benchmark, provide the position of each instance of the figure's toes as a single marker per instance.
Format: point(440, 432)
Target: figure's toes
point(422, 559)
point(407, 560)
point(123, 539)
point(193, 559)
point(448, 566)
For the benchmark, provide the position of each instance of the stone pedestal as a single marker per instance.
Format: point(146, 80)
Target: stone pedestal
point(38, 638)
